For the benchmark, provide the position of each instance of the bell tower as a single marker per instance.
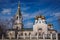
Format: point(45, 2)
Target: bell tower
point(18, 19)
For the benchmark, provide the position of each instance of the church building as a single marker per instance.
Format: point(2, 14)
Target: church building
point(40, 30)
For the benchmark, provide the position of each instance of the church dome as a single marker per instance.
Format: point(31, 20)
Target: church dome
point(50, 24)
point(40, 16)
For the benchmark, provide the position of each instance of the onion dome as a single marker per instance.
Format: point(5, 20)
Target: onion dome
point(40, 16)
point(50, 24)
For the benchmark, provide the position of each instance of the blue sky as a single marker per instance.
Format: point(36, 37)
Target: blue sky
point(30, 8)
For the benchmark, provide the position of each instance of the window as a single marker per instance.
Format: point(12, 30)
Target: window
point(39, 34)
point(50, 31)
point(29, 33)
point(17, 17)
point(39, 21)
point(36, 22)
point(35, 34)
point(43, 21)
point(40, 29)
point(25, 34)
point(22, 34)
point(17, 28)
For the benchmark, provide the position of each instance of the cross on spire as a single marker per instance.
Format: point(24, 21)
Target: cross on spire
point(18, 10)
point(18, 4)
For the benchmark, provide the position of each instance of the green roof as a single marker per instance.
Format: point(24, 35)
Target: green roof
point(24, 29)
point(28, 29)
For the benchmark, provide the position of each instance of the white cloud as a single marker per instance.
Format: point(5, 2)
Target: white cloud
point(27, 16)
point(50, 19)
point(54, 17)
point(45, 12)
point(25, 8)
point(6, 11)
point(57, 14)
point(28, 25)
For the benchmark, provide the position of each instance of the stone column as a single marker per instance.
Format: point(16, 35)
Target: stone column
point(10, 38)
point(51, 37)
point(43, 36)
point(2, 37)
point(30, 36)
point(24, 35)
point(37, 36)
point(17, 36)
point(56, 36)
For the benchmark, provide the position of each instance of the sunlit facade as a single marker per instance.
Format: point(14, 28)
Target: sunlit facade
point(40, 30)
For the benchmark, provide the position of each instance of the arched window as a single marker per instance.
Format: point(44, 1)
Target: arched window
point(11, 34)
point(29, 33)
point(40, 29)
point(50, 31)
point(43, 21)
point(39, 33)
point(35, 34)
point(39, 21)
point(36, 22)
point(16, 17)
point(22, 34)
point(25, 34)
point(16, 28)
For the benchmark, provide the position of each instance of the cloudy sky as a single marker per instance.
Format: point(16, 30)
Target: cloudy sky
point(30, 8)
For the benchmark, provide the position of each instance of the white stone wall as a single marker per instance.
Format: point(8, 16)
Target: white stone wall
point(11, 34)
point(40, 24)
point(19, 26)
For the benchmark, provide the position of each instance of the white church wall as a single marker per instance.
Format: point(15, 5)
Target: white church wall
point(11, 34)
point(40, 25)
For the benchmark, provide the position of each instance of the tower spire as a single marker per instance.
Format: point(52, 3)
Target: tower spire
point(18, 4)
point(18, 10)
point(18, 19)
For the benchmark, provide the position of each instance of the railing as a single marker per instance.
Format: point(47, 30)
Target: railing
point(44, 37)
